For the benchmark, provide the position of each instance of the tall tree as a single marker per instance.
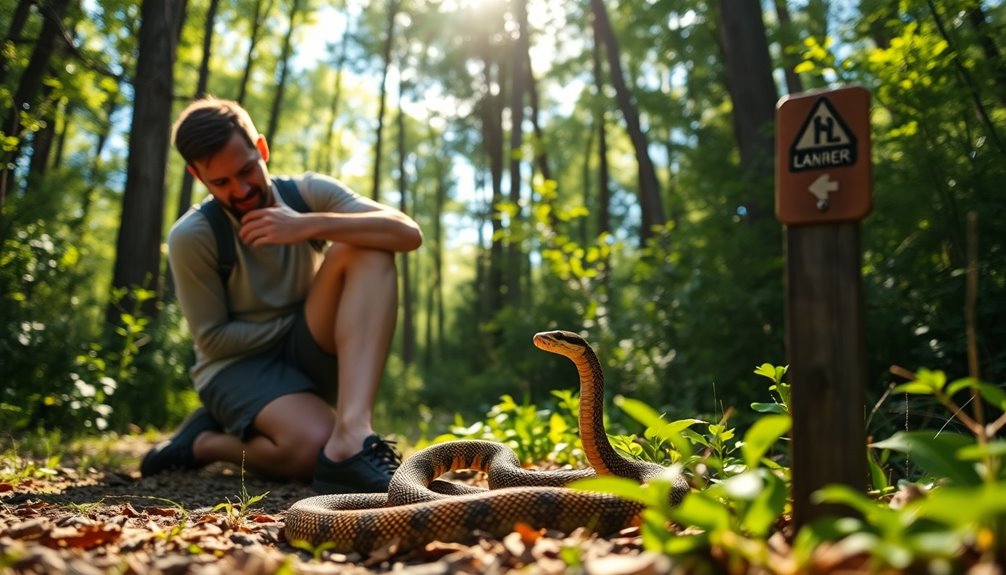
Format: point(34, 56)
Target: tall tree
point(518, 80)
point(752, 92)
point(284, 70)
point(408, 316)
point(650, 202)
point(326, 151)
point(258, 18)
point(29, 86)
point(138, 246)
point(788, 46)
point(389, 38)
point(185, 195)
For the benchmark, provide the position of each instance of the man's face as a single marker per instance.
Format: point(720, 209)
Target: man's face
point(237, 175)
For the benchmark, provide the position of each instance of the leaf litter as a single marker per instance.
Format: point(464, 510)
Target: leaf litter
point(97, 521)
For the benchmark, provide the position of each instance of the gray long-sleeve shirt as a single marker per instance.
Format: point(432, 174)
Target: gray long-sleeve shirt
point(267, 286)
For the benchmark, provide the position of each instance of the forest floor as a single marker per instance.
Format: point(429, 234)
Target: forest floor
point(70, 520)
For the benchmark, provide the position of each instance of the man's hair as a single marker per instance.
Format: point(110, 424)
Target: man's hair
point(206, 125)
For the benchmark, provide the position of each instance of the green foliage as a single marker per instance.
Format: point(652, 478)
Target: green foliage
point(535, 434)
point(741, 499)
point(236, 512)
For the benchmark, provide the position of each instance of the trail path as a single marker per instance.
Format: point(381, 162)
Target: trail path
point(108, 521)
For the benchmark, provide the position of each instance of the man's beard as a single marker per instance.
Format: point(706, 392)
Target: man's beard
point(255, 198)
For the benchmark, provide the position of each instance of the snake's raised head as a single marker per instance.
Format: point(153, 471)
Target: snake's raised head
point(564, 343)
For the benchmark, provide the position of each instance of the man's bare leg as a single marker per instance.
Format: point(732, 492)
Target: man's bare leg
point(351, 311)
point(289, 432)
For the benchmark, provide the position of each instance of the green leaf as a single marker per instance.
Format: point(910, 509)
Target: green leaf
point(872, 511)
point(766, 507)
point(639, 411)
point(768, 407)
point(978, 452)
point(618, 486)
point(990, 393)
point(766, 370)
point(964, 506)
point(937, 454)
point(878, 477)
point(700, 510)
point(762, 435)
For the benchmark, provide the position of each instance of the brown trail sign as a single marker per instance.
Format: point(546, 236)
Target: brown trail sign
point(823, 190)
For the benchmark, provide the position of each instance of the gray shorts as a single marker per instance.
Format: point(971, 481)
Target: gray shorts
point(295, 364)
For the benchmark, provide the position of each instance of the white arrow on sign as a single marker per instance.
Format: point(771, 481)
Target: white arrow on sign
point(821, 187)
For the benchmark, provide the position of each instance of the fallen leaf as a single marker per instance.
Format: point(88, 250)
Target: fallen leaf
point(527, 533)
point(87, 537)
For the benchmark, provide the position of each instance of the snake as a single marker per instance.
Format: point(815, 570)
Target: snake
point(419, 508)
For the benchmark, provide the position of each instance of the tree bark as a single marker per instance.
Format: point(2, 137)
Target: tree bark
point(138, 246)
point(284, 70)
point(259, 17)
point(600, 119)
point(519, 55)
point(29, 85)
point(787, 43)
point(389, 38)
point(753, 94)
point(325, 165)
point(408, 319)
point(650, 201)
point(185, 194)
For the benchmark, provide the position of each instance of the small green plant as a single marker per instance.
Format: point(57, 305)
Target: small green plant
point(236, 512)
point(961, 501)
point(16, 467)
point(743, 491)
point(534, 434)
point(316, 551)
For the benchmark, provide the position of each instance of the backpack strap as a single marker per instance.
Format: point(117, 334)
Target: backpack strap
point(224, 235)
point(223, 232)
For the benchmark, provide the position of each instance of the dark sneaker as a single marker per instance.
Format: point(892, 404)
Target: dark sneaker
point(176, 453)
point(368, 471)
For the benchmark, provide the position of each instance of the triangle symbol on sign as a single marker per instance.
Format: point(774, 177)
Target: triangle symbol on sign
point(824, 128)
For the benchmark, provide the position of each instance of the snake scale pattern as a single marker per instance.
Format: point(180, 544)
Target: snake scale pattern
point(419, 508)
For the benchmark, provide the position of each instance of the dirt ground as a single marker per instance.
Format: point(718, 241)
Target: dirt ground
point(101, 521)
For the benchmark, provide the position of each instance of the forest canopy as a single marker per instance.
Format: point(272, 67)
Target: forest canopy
point(595, 166)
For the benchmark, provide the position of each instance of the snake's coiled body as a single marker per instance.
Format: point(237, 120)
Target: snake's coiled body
point(412, 513)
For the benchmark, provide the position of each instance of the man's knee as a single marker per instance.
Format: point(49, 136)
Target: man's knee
point(344, 256)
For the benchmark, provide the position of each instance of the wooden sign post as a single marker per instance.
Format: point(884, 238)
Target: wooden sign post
point(823, 190)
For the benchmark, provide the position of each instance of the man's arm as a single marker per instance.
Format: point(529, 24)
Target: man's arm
point(382, 228)
point(337, 214)
point(203, 300)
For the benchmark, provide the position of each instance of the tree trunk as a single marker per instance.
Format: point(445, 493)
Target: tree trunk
point(188, 181)
point(260, 16)
point(600, 118)
point(389, 38)
point(67, 120)
point(997, 67)
point(408, 325)
point(788, 44)
point(519, 55)
point(753, 94)
point(650, 201)
point(138, 246)
point(18, 21)
point(490, 111)
point(30, 84)
point(434, 297)
point(324, 163)
point(284, 70)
